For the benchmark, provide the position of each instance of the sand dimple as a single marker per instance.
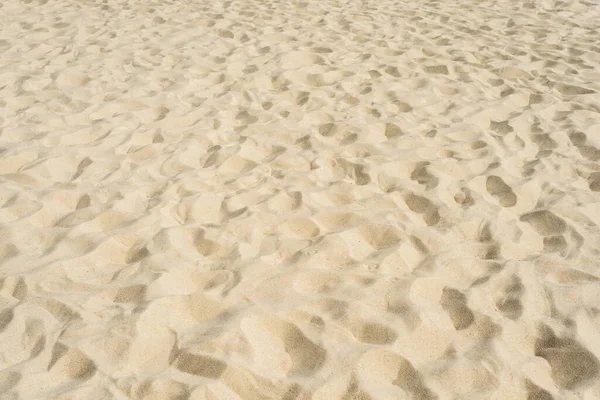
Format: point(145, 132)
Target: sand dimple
point(282, 347)
point(572, 90)
point(392, 374)
point(509, 298)
point(70, 363)
point(367, 238)
point(455, 303)
point(392, 131)
point(499, 189)
point(200, 365)
point(572, 364)
point(594, 182)
point(299, 200)
point(545, 222)
point(514, 73)
point(424, 206)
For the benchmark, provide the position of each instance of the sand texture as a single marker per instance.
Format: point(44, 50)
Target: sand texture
point(270, 199)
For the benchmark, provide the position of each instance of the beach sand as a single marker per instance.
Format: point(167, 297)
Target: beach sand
point(271, 199)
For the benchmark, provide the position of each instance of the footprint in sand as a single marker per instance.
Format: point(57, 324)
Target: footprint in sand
point(422, 175)
point(303, 228)
point(502, 127)
point(535, 392)
point(594, 182)
point(285, 201)
point(374, 333)
point(501, 191)
point(464, 197)
point(545, 223)
point(130, 294)
point(555, 244)
point(572, 364)
point(200, 365)
point(332, 222)
point(385, 369)
point(572, 90)
point(281, 347)
point(544, 141)
point(423, 205)
point(399, 303)
point(508, 300)
point(369, 238)
point(160, 389)
point(8, 380)
point(297, 59)
point(355, 172)
point(455, 304)
point(512, 73)
point(436, 69)
point(392, 131)
point(354, 391)
point(69, 363)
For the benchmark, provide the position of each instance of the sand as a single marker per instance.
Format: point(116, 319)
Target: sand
point(271, 199)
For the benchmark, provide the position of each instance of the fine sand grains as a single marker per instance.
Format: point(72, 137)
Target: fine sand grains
point(270, 199)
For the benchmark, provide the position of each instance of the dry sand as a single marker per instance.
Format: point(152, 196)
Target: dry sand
point(271, 199)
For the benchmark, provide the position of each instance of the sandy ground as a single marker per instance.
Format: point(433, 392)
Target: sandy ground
point(271, 199)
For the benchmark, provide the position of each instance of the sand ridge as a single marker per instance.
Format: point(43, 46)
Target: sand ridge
point(299, 200)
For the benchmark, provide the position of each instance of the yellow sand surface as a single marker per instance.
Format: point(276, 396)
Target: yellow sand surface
point(318, 199)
